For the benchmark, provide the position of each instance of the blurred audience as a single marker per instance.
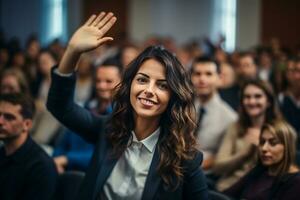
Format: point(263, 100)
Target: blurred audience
point(72, 152)
point(290, 98)
point(237, 152)
point(276, 176)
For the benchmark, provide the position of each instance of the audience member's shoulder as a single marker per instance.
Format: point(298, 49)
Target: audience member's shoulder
point(226, 108)
point(39, 156)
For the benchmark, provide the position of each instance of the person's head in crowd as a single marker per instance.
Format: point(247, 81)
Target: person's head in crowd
point(13, 81)
point(156, 87)
point(46, 60)
point(32, 47)
point(205, 76)
point(107, 76)
point(128, 53)
point(17, 60)
point(258, 102)
point(265, 59)
point(234, 59)
point(227, 78)
point(4, 57)
point(16, 114)
point(57, 48)
point(220, 56)
point(277, 148)
point(247, 68)
point(293, 76)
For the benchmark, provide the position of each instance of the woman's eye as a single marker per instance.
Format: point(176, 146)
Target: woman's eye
point(163, 86)
point(141, 80)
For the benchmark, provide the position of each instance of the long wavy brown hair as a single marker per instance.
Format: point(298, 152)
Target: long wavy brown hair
point(272, 112)
point(176, 142)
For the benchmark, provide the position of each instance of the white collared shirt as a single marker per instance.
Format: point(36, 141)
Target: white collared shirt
point(127, 180)
point(218, 116)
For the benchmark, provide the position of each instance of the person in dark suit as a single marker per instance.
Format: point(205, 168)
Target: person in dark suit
point(146, 148)
point(26, 171)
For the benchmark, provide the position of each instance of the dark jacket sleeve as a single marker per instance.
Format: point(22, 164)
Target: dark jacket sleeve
point(194, 180)
point(61, 104)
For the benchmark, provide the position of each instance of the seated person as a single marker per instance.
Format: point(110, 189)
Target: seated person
point(237, 153)
point(276, 174)
point(26, 171)
point(289, 100)
point(73, 153)
point(214, 114)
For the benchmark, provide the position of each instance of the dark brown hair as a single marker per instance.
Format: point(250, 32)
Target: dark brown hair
point(177, 142)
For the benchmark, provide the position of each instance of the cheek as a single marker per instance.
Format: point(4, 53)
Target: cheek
point(280, 153)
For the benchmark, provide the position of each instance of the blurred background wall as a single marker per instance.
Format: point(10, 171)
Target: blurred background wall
point(244, 23)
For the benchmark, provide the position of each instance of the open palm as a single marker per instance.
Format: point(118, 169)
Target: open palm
point(91, 34)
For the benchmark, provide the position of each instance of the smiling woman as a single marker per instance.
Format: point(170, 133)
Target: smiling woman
point(146, 148)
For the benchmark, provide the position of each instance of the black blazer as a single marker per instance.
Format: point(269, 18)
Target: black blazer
point(92, 128)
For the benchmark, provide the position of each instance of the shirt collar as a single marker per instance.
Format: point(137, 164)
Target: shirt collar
point(210, 104)
point(150, 141)
point(21, 153)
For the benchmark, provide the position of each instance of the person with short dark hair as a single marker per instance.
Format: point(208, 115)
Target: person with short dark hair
point(214, 114)
point(26, 171)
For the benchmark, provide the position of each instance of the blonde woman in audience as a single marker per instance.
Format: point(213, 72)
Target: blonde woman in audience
point(276, 176)
point(236, 155)
point(13, 81)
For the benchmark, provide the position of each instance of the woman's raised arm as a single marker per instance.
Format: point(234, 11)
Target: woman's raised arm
point(86, 38)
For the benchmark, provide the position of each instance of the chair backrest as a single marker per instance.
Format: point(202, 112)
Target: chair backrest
point(213, 195)
point(68, 185)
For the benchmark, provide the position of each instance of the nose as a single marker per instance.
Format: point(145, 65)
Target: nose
point(252, 100)
point(149, 90)
point(101, 85)
point(1, 119)
point(264, 147)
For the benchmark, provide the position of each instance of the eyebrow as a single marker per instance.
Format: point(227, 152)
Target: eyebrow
point(162, 80)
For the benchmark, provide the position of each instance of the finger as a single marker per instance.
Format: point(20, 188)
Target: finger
point(105, 20)
point(105, 39)
point(108, 25)
point(99, 18)
point(90, 20)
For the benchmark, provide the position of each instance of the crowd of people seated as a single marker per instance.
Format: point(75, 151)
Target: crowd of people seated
point(247, 105)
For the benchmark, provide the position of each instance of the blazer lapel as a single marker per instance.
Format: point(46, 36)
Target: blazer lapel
point(153, 179)
point(106, 165)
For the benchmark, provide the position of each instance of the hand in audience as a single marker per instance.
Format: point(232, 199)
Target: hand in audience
point(61, 163)
point(252, 136)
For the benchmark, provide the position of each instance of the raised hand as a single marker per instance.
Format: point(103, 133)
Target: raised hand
point(86, 38)
point(91, 34)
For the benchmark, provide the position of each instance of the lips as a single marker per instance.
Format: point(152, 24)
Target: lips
point(146, 102)
point(265, 158)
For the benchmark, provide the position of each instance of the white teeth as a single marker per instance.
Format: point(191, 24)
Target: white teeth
point(147, 102)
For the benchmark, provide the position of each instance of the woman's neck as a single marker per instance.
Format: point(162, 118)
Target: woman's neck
point(258, 122)
point(145, 127)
